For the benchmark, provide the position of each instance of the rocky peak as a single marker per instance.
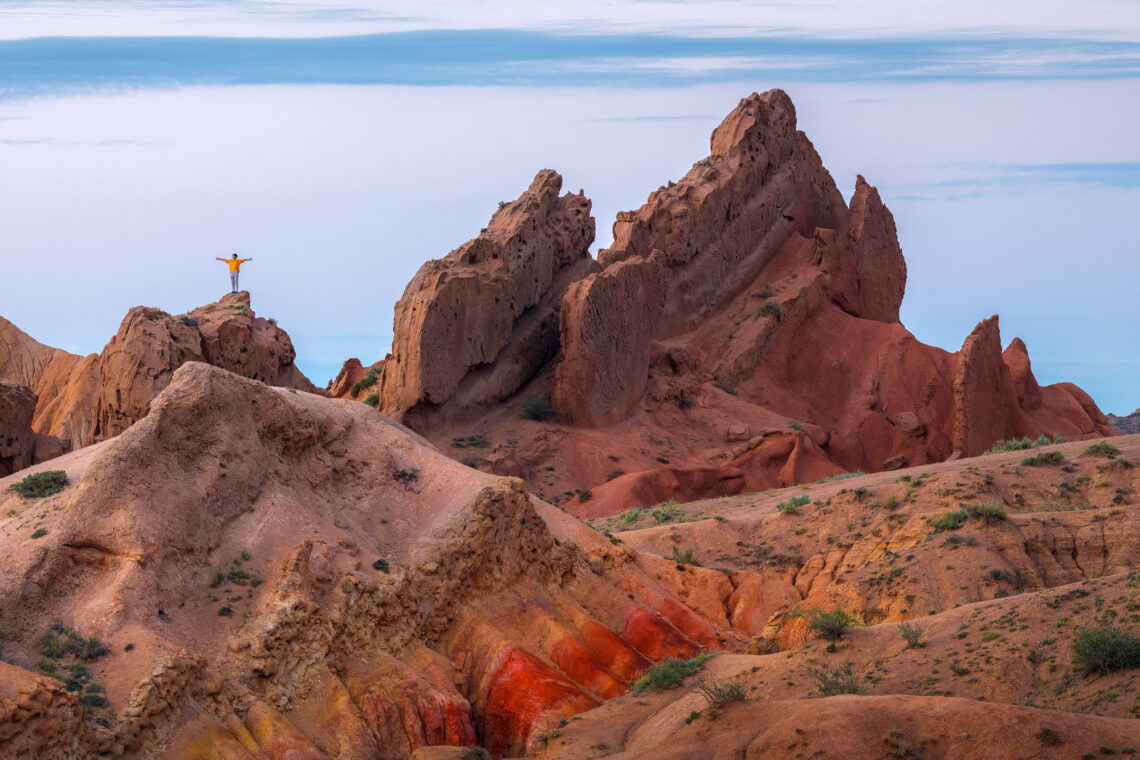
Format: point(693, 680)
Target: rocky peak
point(985, 403)
point(84, 400)
point(716, 229)
point(868, 276)
point(472, 327)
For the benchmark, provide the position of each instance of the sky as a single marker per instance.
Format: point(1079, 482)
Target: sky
point(342, 145)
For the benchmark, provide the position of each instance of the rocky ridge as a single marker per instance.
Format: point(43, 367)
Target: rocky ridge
point(1128, 424)
point(475, 326)
point(273, 571)
point(743, 331)
point(83, 400)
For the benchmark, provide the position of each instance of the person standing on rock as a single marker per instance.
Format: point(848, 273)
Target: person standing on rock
point(235, 269)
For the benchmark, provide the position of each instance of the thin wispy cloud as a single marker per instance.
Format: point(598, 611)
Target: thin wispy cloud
point(1114, 174)
point(520, 58)
point(1101, 19)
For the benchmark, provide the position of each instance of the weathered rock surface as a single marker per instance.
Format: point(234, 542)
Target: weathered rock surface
point(296, 574)
point(475, 326)
point(87, 399)
point(1128, 425)
point(20, 446)
point(746, 293)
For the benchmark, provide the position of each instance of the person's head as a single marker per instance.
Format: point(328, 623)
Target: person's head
point(234, 256)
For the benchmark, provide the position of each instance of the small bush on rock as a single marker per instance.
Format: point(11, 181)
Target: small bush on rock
point(668, 674)
point(40, 484)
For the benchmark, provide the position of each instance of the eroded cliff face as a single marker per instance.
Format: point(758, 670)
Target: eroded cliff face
point(300, 574)
point(20, 446)
point(743, 330)
point(475, 326)
point(82, 400)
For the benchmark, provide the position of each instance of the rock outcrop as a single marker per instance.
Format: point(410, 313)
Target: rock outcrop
point(20, 446)
point(986, 406)
point(294, 574)
point(746, 293)
point(1129, 424)
point(82, 400)
point(475, 326)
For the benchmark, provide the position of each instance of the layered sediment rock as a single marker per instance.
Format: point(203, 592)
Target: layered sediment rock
point(317, 577)
point(475, 326)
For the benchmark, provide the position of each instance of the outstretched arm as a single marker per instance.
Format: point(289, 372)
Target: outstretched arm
point(218, 258)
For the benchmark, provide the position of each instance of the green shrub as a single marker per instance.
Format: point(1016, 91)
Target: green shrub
point(1015, 444)
point(476, 441)
point(630, 515)
point(665, 512)
point(188, 320)
point(830, 625)
point(912, 635)
point(684, 558)
point(835, 679)
point(771, 309)
point(381, 565)
point(1101, 449)
point(40, 484)
point(1044, 458)
point(539, 408)
point(718, 694)
point(991, 511)
point(39, 533)
point(373, 400)
point(792, 505)
point(1105, 650)
point(949, 521)
point(844, 476)
point(796, 425)
point(371, 377)
point(93, 700)
point(668, 674)
point(405, 476)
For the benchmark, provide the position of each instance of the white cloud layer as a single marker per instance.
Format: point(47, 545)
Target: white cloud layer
point(1110, 19)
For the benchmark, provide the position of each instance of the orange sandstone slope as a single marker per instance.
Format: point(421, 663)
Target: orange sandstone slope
point(278, 574)
point(741, 333)
point(82, 400)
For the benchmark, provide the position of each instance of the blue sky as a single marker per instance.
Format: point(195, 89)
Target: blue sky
point(342, 147)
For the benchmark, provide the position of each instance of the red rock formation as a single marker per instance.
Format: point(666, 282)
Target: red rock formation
point(986, 406)
point(473, 327)
point(747, 294)
point(20, 446)
point(868, 276)
point(87, 399)
point(17, 441)
point(715, 231)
